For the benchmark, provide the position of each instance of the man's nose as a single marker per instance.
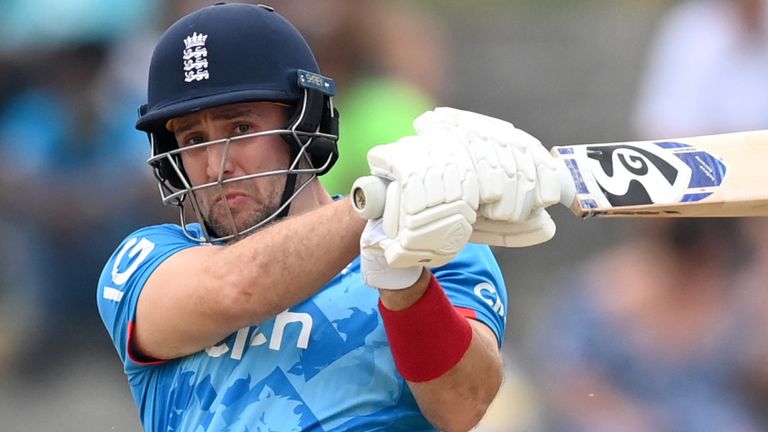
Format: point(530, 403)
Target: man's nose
point(219, 160)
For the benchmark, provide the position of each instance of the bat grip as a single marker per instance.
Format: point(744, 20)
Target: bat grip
point(369, 194)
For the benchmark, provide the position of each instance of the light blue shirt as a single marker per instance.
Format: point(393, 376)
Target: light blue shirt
point(322, 365)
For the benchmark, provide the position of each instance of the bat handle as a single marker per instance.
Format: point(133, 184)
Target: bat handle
point(369, 194)
point(567, 184)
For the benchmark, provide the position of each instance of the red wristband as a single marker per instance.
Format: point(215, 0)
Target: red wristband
point(429, 337)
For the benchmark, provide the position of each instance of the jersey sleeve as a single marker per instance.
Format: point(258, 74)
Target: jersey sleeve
point(124, 276)
point(473, 281)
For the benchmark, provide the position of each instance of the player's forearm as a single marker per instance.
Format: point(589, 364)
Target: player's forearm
point(200, 295)
point(288, 262)
point(458, 400)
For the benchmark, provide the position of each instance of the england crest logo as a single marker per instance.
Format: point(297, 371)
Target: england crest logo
point(195, 58)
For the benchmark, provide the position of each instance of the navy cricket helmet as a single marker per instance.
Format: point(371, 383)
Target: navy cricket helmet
point(232, 53)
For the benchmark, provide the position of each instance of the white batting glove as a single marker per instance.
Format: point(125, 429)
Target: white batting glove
point(517, 176)
point(431, 199)
point(376, 272)
point(537, 229)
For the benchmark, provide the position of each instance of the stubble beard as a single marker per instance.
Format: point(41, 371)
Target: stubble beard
point(264, 203)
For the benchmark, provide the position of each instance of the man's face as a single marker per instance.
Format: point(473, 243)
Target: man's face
point(236, 206)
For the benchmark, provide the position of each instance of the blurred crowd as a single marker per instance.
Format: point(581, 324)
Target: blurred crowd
point(661, 332)
point(664, 330)
point(72, 174)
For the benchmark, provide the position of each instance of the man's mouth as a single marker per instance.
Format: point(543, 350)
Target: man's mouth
point(233, 199)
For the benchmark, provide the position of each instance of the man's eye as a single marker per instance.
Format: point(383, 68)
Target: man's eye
point(243, 128)
point(196, 139)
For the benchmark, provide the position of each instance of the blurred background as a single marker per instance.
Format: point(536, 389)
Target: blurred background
point(612, 325)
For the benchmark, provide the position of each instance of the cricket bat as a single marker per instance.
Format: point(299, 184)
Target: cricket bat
point(705, 176)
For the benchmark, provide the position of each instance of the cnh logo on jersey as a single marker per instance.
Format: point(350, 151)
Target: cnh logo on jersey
point(284, 319)
point(488, 294)
point(195, 58)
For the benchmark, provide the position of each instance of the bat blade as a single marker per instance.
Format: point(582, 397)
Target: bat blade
point(706, 176)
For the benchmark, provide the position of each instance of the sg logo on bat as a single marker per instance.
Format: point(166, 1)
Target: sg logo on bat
point(642, 173)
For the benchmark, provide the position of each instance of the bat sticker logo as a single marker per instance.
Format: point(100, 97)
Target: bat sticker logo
point(636, 174)
point(640, 174)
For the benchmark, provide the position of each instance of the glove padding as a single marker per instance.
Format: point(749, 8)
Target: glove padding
point(461, 169)
point(517, 177)
point(430, 201)
point(375, 270)
point(537, 229)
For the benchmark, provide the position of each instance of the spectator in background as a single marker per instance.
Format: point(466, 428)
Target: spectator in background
point(15, 279)
point(41, 145)
point(753, 280)
point(707, 71)
point(708, 74)
point(390, 70)
point(67, 169)
point(648, 336)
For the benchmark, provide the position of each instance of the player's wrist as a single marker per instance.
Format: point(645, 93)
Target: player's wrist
point(429, 337)
point(399, 299)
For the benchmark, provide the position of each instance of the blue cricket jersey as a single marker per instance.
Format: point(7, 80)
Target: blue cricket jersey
point(321, 365)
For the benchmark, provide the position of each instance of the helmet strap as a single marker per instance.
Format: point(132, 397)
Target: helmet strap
point(306, 118)
point(288, 191)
